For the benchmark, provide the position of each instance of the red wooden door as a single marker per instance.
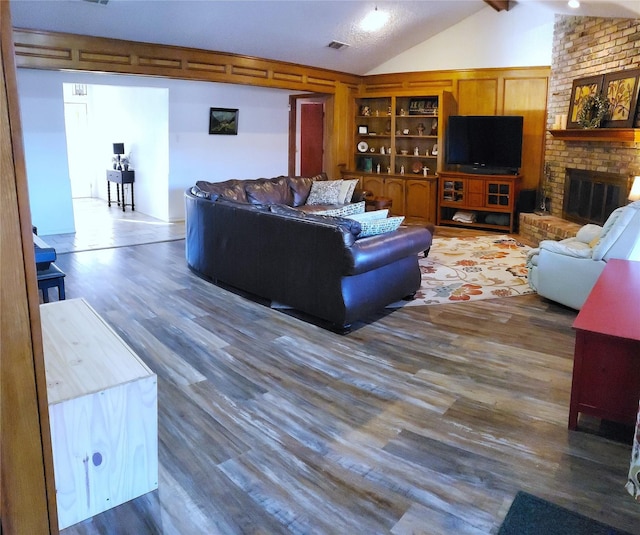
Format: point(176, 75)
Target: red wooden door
point(311, 138)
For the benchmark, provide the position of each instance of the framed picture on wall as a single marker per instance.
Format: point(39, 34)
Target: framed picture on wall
point(223, 121)
point(621, 90)
point(582, 88)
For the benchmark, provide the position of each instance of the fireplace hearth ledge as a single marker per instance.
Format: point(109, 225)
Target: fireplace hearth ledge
point(534, 228)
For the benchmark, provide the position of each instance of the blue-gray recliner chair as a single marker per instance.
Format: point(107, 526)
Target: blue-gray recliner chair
point(566, 271)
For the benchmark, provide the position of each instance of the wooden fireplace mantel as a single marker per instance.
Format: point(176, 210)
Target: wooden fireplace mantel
point(631, 135)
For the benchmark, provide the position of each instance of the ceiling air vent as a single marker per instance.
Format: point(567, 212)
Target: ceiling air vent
point(101, 2)
point(337, 45)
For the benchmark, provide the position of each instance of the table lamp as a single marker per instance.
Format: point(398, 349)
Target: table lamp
point(634, 194)
point(118, 150)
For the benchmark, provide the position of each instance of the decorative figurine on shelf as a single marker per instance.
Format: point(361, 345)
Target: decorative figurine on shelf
point(378, 168)
point(388, 170)
point(402, 169)
point(381, 150)
point(426, 151)
point(420, 129)
point(416, 151)
point(434, 127)
point(401, 111)
point(365, 111)
point(425, 170)
point(434, 150)
point(389, 110)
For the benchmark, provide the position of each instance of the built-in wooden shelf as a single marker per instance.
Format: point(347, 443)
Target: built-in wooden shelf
point(631, 135)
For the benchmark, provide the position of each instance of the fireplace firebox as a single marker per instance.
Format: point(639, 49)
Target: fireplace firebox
point(591, 196)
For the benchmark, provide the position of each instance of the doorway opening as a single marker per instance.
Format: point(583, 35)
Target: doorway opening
point(76, 123)
point(308, 119)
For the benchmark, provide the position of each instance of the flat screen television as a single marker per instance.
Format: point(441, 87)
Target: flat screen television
point(485, 144)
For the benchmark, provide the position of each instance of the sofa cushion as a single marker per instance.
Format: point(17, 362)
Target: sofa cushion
point(325, 192)
point(350, 225)
point(232, 190)
point(301, 186)
point(268, 191)
point(379, 226)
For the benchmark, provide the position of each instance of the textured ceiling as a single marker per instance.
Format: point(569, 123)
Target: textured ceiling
point(297, 31)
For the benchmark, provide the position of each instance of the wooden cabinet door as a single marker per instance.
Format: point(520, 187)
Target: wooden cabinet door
point(499, 195)
point(373, 185)
point(420, 201)
point(394, 189)
point(475, 193)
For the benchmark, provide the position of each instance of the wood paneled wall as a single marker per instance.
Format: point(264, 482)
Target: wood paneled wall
point(514, 91)
point(27, 501)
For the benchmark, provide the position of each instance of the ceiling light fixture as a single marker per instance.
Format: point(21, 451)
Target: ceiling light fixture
point(374, 20)
point(574, 4)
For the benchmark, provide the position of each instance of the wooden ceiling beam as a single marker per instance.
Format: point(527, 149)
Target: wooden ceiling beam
point(498, 5)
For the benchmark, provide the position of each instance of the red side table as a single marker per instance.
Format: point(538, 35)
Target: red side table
point(606, 365)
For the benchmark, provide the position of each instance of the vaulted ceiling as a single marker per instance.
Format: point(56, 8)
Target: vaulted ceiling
point(296, 31)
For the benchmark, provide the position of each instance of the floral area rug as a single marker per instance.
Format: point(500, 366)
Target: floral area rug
point(470, 269)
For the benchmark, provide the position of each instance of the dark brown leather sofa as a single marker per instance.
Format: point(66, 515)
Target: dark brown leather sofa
point(309, 262)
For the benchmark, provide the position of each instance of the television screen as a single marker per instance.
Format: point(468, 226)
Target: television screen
point(485, 143)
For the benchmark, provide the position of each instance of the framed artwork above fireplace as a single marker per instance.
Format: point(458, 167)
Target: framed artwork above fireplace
point(621, 90)
point(583, 88)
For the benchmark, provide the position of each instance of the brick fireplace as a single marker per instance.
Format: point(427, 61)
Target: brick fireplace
point(591, 196)
point(587, 46)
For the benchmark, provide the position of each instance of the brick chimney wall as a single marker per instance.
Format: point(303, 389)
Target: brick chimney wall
point(587, 46)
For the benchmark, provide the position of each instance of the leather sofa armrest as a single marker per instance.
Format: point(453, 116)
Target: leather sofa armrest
point(376, 251)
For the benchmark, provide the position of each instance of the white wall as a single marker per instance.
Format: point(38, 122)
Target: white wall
point(259, 149)
point(42, 117)
point(520, 37)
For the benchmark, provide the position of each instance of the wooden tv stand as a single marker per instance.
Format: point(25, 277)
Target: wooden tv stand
point(485, 195)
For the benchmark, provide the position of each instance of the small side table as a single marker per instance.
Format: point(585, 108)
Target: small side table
point(377, 203)
point(120, 177)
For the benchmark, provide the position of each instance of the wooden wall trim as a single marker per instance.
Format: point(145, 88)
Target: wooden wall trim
point(28, 503)
point(58, 51)
point(410, 82)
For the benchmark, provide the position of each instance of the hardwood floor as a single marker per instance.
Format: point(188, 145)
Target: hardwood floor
point(423, 420)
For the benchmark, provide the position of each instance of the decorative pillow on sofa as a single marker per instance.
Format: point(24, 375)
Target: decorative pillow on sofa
point(356, 208)
point(350, 225)
point(379, 226)
point(301, 186)
point(347, 189)
point(369, 216)
point(325, 192)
